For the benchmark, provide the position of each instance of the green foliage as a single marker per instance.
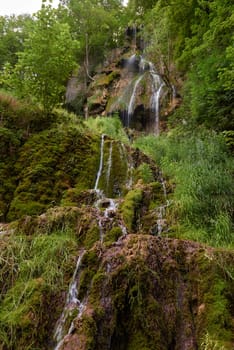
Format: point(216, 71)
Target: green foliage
point(209, 344)
point(111, 126)
point(202, 171)
point(46, 62)
point(13, 31)
point(32, 269)
point(202, 48)
point(98, 25)
point(145, 173)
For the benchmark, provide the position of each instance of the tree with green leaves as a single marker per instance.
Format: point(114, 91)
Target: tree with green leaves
point(48, 58)
point(193, 39)
point(98, 26)
point(13, 31)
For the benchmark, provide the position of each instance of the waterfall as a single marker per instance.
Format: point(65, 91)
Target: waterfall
point(100, 163)
point(157, 86)
point(72, 303)
point(132, 99)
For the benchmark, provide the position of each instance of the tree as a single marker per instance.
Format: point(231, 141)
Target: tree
point(13, 31)
point(98, 25)
point(47, 60)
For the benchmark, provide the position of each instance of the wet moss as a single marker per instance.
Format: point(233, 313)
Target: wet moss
point(131, 208)
point(112, 235)
point(218, 300)
point(89, 268)
point(115, 170)
point(50, 163)
point(92, 236)
point(104, 79)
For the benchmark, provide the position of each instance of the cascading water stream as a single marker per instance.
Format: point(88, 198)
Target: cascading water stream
point(161, 210)
point(157, 86)
point(72, 303)
point(132, 99)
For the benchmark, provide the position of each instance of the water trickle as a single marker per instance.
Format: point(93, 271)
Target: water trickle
point(131, 61)
point(163, 182)
point(157, 86)
point(103, 216)
point(132, 99)
point(161, 210)
point(123, 229)
point(160, 220)
point(100, 163)
point(111, 208)
point(72, 303)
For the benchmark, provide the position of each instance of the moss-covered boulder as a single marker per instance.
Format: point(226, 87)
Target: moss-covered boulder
point(153, 293)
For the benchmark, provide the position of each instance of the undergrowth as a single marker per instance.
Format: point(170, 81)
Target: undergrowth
point(111, 126)
point(201, 168)
point(33, 269)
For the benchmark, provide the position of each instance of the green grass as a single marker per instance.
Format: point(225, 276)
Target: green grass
point(33, 269)
point(111, 126)
point(201, 168)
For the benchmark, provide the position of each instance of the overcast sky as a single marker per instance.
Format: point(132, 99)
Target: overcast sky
point(17, 7)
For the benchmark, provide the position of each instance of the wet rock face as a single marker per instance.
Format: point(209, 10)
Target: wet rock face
point(148, 293)
point(130, 86)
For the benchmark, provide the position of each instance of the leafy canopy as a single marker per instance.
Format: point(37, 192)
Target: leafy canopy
point(47, 60)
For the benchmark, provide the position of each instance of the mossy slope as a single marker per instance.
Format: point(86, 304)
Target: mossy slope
point(153, 293)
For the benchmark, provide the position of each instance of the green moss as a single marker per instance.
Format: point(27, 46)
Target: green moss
point(26, 206)
point(138, 341)
point(75, 196)
point(95, 99)
point(112, 235)
point(218, 317)
point(114, 177)
point(105, 79)
point(51, 163)
point(92, 236)
point(89, 269)
point(97, 287)
point(130, 208)
point(216, 287)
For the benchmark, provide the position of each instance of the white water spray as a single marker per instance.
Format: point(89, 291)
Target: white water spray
point(132, 99)
point(157, 86)
point(72, 303)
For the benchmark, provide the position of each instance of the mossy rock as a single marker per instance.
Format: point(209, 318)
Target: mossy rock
point(51, 163)
point(113, 235)
point(130, 208)
point(104, 79)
